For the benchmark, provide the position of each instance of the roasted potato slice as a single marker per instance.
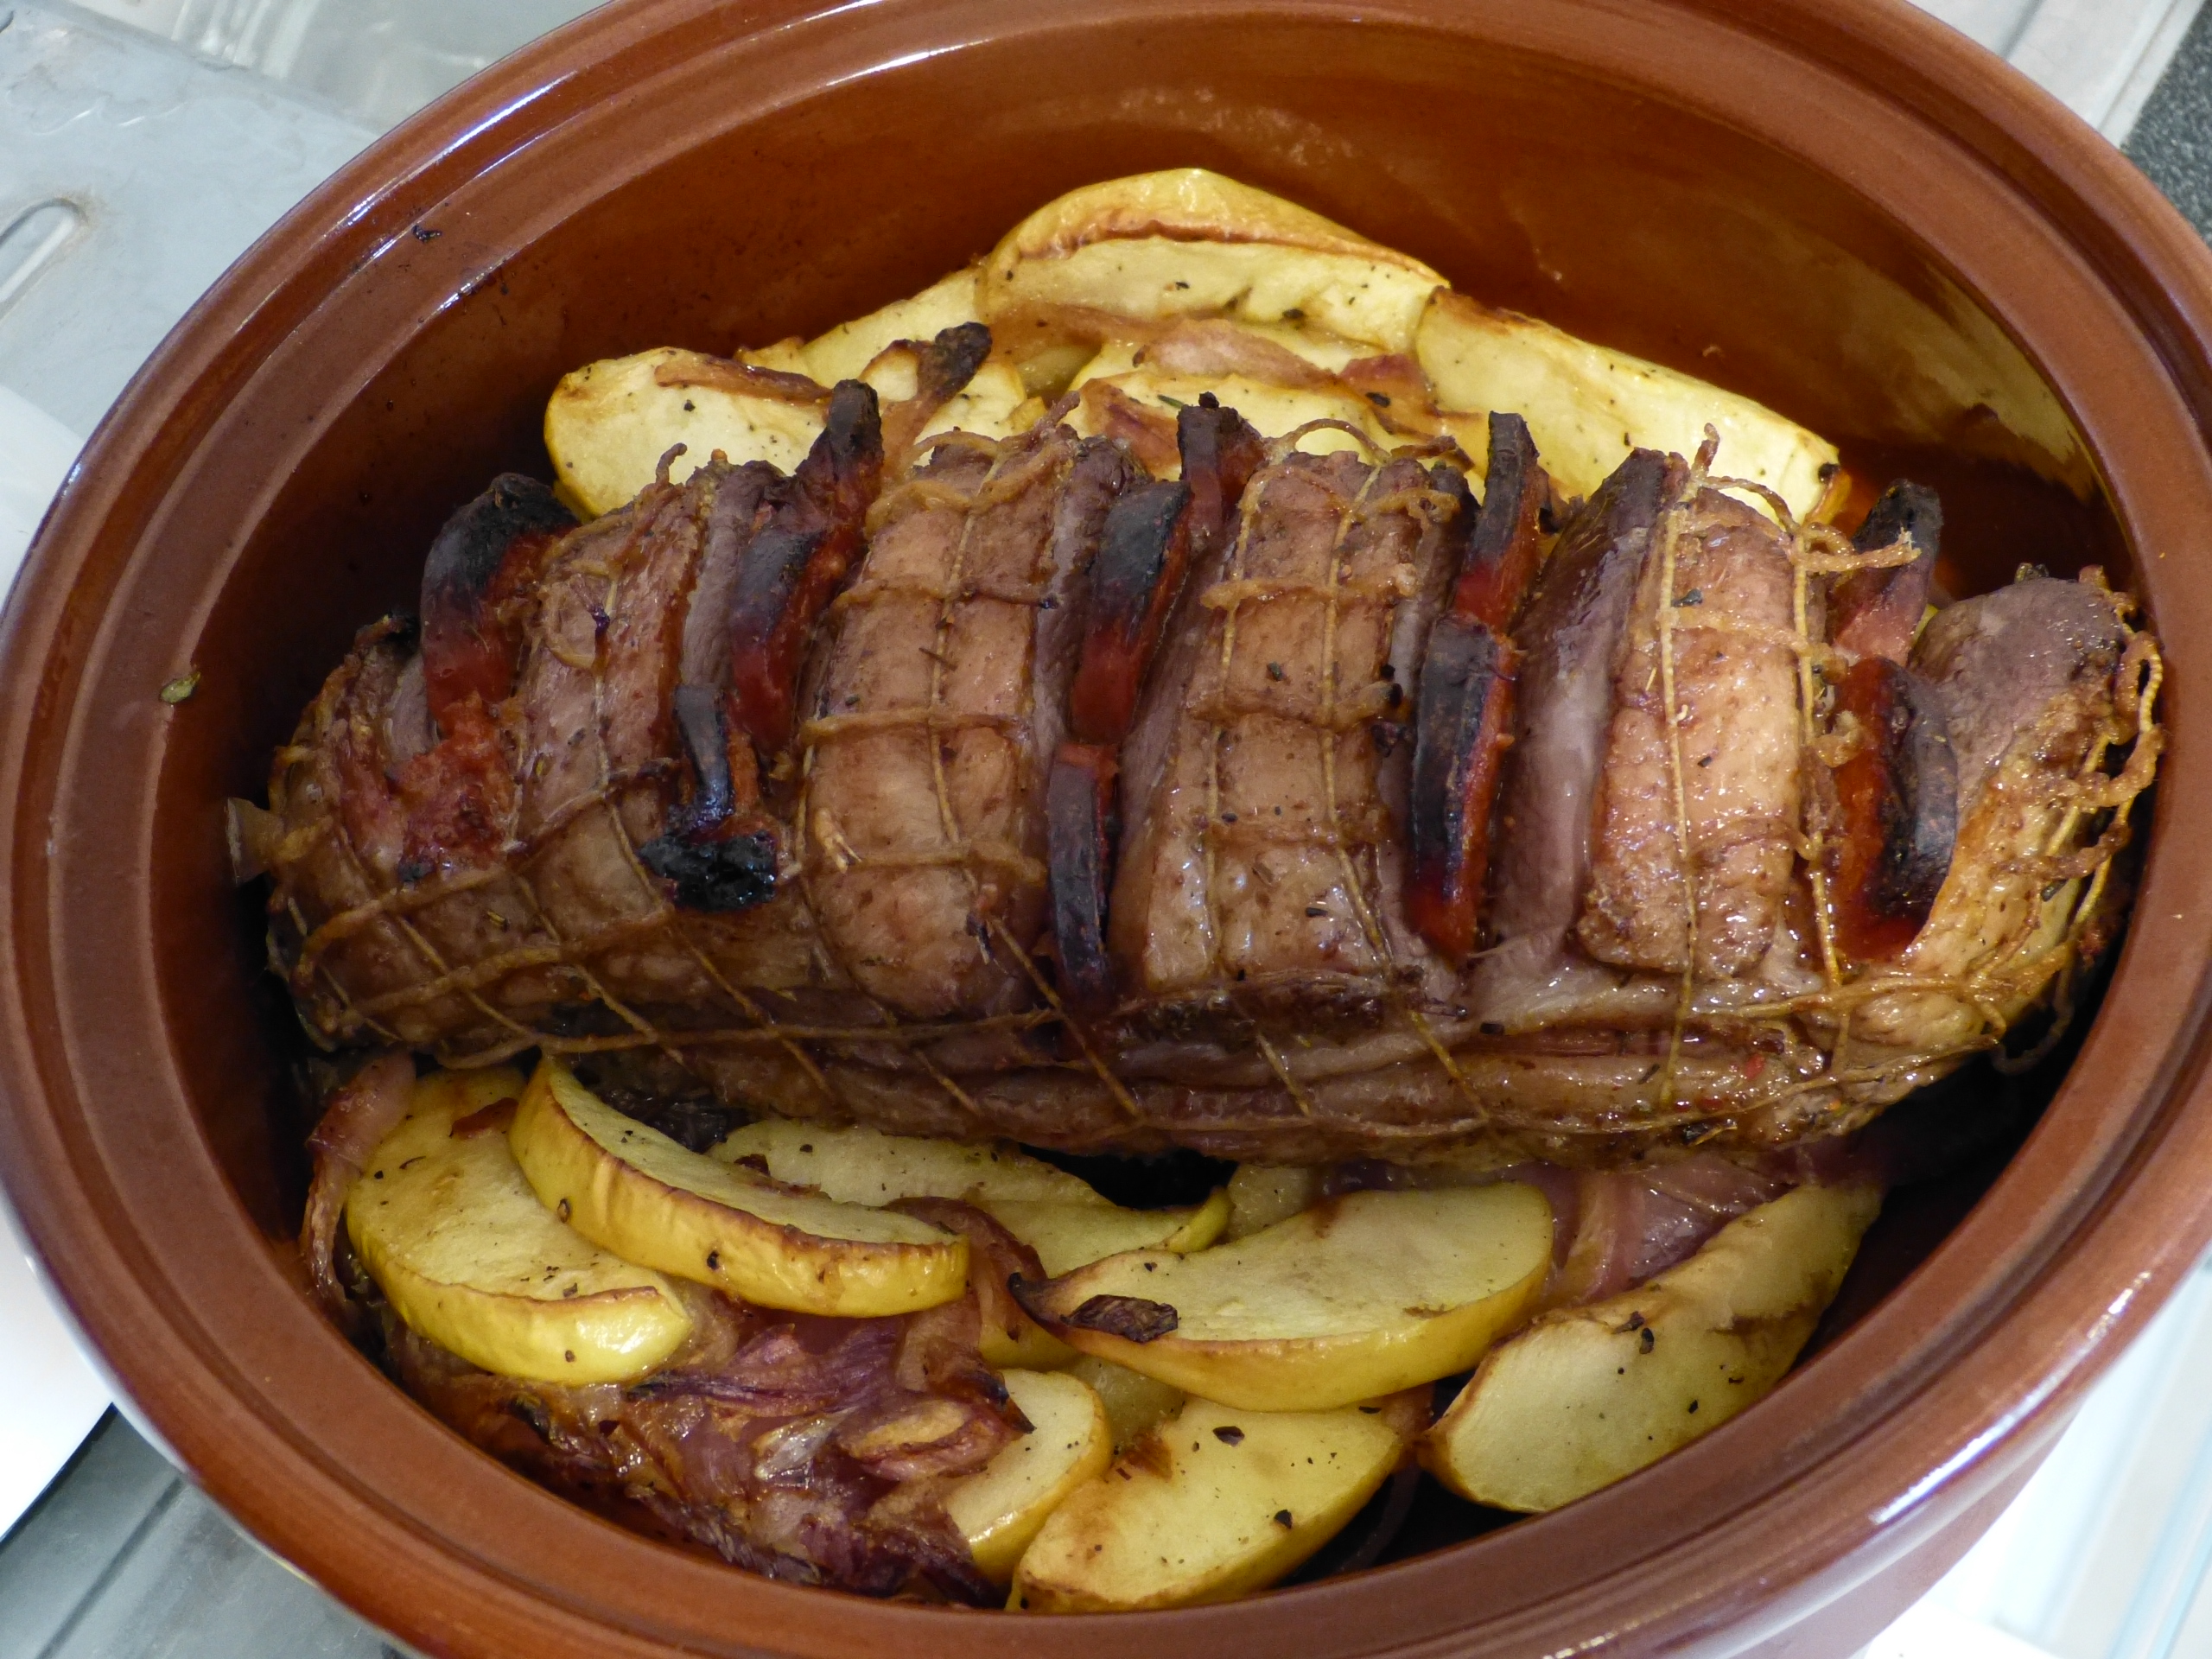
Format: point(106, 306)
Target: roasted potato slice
point(1587, 406)
point(1069, 1236)
point(460, 1247)
point(1356, 1298)
point(1212, 1505)
point(636, 1192)
point(864, 1165)
point(609, 423)
point(1192, 243)
point(1000, 1508)
point(1588, 1394)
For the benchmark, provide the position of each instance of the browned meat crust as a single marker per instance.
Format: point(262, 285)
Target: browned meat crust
point(1702, 766)
point(1250, 983)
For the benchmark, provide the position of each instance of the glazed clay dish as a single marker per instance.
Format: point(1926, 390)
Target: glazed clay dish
point(1849, 216)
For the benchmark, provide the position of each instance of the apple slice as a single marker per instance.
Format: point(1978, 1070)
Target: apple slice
point(1069, 1236)
point(1000, 1508)
point(609, 423)
point(1214, 1504)
point(845, 352)
point(445, 1224)
point(1356, 1298)
point(637, 1192)
point(1191, 243)
point(1588, 1394)
point(1060, 1217)
point(864, 1165)
point(1135, 1404)
point(1588, 406)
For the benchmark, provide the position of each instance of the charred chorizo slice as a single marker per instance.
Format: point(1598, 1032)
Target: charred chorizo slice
point(1152, 538)
point(1878, 613)
point(1464, 728)
point(1897, 807)
point(1078, 809)
point(486, 553)
point(797, 563)
point(1506, 549)
point(1464, 721)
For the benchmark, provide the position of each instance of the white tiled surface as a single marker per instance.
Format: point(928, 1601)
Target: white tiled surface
point(131, 172)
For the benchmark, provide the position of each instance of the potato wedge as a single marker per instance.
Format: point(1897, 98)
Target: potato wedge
point(1348, 1301)
point(1000, 1508)
point(864, 1165)
point(466, 1256)
point(1069, 1236)
point(1192, 243)
point(1135, 1404)
point(609, 423)
point(1213, 1505)
point(1587, 406)
point(636, 1192)
point(1588, 1394)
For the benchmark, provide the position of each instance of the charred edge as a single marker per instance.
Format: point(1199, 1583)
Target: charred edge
point(1507, 546)
point(1143, 551)
point(1462, 729)
point(943, 368)
point(1078, 803)
point(722, 875)
point(1131, 1318)
point(950, 361)
point(465, 650)
point(1898, 799)
point(797, 563)
point(1221, 451)
point(701, 723)
point(1152, 536)
point(1877, 613)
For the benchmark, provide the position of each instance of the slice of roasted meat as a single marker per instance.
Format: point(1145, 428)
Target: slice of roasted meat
point(924, 807)
point(1300, 882)
point(1252, 787)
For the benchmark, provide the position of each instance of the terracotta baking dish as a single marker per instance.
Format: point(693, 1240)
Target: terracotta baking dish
point(1834, 205)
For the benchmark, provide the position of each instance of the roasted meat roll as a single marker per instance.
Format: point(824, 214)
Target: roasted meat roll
point(1292, 808)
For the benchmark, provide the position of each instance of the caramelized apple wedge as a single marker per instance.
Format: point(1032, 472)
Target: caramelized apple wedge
point(1589, 1394)
point(609, 423)
point(1215, 1503)
point(845, 352)
point(1069, 1236)
point(634, 1190)
point(1191, 243)
point(1000, 1509)
point(451, 1232)
point(1358, 1297)
point(1060, 1217)
point(856, 1165)
point(1588, 406)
